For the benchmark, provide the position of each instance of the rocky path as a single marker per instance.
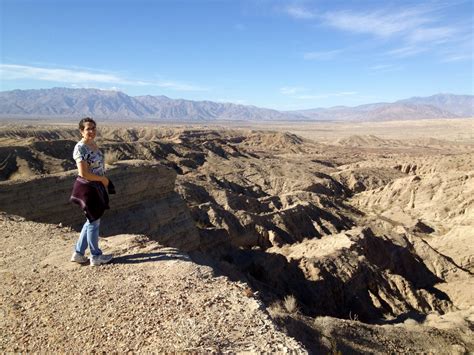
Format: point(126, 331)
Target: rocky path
point(150, 299)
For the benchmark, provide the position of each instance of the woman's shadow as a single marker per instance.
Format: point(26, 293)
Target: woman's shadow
point(138, 258)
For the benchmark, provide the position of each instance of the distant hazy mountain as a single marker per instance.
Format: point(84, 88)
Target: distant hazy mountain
point(74, 103)
point(461, 105)
point(436, 106)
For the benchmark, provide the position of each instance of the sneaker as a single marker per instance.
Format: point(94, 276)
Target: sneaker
point(100, 259)
point(79, 258)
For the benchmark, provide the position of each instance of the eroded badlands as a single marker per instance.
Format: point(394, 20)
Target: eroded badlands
point(359, 244)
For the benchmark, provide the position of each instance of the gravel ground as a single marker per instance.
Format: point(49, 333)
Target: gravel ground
point(151, 298)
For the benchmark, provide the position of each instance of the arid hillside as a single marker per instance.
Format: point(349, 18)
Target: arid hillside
point(358, 244)
point(152, 298)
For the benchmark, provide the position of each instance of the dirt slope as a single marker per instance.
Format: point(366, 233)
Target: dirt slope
point(151, 298)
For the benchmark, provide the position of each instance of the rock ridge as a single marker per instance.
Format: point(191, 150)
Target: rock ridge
point(145, 203)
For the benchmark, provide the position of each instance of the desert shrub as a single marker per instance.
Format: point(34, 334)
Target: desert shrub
point(353, 317)
point(284, 308)
point(290, 304)
point(112, 157)
point(276, 310)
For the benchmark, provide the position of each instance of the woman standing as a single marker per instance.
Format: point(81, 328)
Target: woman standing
point(90, 163)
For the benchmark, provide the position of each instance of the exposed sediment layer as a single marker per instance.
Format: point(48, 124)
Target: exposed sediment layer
point(145, 203)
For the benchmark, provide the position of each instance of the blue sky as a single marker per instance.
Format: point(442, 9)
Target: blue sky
point(277, 54)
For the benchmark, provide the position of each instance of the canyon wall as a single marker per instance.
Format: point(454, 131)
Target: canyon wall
point(145, 203)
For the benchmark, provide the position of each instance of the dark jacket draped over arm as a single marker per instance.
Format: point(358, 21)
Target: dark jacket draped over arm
point(91, 196)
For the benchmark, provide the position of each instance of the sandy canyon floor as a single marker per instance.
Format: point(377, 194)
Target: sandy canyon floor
point(313, 237)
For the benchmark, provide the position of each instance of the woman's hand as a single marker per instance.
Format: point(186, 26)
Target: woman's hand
point(105, 181)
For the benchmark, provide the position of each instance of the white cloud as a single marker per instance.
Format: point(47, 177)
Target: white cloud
point(384, 68)
point(413, 29)
point(381, 67)
point(433, 34)
point(381, 23)
point(323, 55)
point(299, 12)
point(425, 39)
point(407, 51)
point(112, 88)
point(85, 86)
point(15, 72)
point(460, 50)
point(457, 57)
point(417, 30)
point(232, 101)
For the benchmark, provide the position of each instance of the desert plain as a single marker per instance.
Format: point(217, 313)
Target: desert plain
point(307, 237)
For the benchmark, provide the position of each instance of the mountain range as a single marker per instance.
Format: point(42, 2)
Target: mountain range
point(75, 103)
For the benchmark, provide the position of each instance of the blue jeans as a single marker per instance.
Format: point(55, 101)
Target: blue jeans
point(89, 236)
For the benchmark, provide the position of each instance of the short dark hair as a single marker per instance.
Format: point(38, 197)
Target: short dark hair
point(82, 123)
